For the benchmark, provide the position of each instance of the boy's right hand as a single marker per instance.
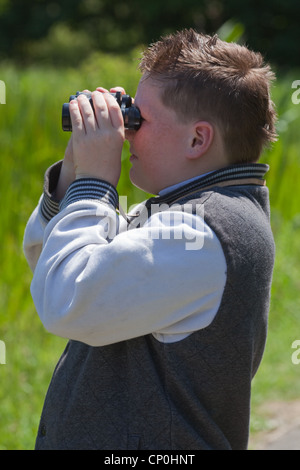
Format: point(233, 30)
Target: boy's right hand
point(98, 137)
point(67, 174)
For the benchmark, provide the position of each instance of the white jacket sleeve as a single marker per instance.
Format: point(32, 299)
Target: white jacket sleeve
point(98, 284)
point(47, 208)
point(33, 238)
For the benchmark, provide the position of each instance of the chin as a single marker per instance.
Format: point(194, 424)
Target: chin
point(143, 185)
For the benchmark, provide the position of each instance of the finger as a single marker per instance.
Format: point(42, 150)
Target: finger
point(100, 109)
point(101, 89)
point(118, 88)
point(76, 118)
point(114, 110)
point(87, 113)
point(123, 92)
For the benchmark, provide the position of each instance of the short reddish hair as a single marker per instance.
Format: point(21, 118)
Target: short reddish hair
point(205, 78)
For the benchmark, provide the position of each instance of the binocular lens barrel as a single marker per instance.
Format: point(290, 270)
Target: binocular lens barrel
point(131, 114)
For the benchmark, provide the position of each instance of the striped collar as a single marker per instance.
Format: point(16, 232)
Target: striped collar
point(232, 172)
point(174, 187)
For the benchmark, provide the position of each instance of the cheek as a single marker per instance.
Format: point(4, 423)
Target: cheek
point(156, 145)
point(145, 143)
point(153, 136)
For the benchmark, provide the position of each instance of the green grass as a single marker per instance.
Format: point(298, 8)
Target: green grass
point(30, 140)
point(278, 377)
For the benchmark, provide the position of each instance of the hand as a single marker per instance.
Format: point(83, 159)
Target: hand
point(98, 137)
point(67, 172)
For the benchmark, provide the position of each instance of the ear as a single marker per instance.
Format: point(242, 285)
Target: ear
point(202, 135)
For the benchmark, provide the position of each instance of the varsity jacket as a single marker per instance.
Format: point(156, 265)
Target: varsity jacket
point(179, 380)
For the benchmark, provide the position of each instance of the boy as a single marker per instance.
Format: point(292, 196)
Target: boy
point(166, 312)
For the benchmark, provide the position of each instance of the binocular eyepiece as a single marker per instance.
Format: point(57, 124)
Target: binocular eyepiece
point(131, 114)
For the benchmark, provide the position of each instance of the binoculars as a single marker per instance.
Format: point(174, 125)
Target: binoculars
point(131, 114)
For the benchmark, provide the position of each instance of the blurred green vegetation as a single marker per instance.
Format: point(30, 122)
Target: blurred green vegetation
point(64, 32)
point(57, 65)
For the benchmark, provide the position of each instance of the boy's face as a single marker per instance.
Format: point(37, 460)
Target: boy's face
point(158, 147)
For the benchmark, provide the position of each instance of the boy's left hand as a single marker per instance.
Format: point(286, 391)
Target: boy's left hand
point(97, 137)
